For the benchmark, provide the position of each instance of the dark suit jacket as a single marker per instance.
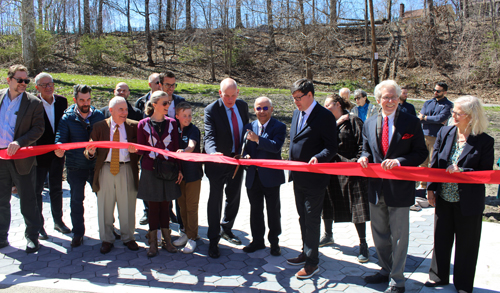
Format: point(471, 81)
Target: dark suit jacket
point(29, 127)
point(100, 132)
point(407, 146)
point(140, 104)
point(49, 135)
point(477, 155)
point(133, 113)
point(269, 147)
point(318, 138)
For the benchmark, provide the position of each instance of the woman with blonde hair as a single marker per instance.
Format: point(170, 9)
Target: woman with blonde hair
point(161, 132)
point(463, 146)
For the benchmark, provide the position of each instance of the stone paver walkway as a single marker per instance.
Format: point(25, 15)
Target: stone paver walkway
point(84, 268)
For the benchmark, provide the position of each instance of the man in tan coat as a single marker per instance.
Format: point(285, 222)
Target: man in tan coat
point(116, 175)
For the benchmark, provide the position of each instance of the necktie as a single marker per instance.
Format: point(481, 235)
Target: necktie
point(385, 135)
point(236, 131)
point(262, 129)
point(114, 166)
point(303, 120)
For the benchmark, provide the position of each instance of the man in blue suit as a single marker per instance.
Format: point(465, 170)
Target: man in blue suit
point(392, 138)
point(224, 122)
point(313, 139)
point(266, 136)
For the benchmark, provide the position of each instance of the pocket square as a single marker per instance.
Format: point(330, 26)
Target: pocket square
point(407, 136)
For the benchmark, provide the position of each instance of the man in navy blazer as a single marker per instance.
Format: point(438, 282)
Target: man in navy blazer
point(400, 142)
point(54, 107)
point(313, 139)
point(224, 122)
point(265, 139)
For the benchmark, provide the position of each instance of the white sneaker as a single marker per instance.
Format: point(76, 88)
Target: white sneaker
point(422, 202)
point(415, 208)
point(181, 240)
point(190, 246)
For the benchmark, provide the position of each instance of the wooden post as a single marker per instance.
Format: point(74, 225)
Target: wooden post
point(374, 46)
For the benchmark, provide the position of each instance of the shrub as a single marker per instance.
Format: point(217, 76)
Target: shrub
point(92, 50)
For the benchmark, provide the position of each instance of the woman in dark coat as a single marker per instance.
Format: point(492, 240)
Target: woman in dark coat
point(347, 198)
point(459, 207)
point(161, 132)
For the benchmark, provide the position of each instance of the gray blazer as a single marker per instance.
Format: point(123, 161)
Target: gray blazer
point(30, 126)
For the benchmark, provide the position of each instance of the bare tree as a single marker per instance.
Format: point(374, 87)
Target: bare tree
point(160, 25)
point(99, 18)
point(86, 17)
point(270, 26)
point(188, 15)
point(149, 46)
point(129, 26)
point(239, 24)
point(366, 22)
point(168, 19)
point(79, 18)
point(389, 7)
point(29, 37)
point(40, 13)
point(333, 12)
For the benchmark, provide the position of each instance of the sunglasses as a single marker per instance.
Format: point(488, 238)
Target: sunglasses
point(262, 108)
point(438, 91)
point(167, 103)
point(358, 98)
point(157, 82)
point(20, 80)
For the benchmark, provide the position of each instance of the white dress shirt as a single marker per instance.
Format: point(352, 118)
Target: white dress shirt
point(50, 111)
point(124, 154)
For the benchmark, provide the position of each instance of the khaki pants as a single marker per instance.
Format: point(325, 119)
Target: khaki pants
point(429, 143)
point(116, 190)
point(188, 202)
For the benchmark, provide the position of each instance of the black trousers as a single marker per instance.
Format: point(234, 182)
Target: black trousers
point(309, 203)
point(256, 196)
point(25, 185)
point(221, 181)
point(55, 171)
point(450, 224)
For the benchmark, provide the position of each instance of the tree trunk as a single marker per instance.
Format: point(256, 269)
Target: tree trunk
point(188, 15)
point(86, 17)
point(374, 45)
point(168, 19)
point(313, 11)
point(333, 12)
point(389, 6)
point(160, 4)
point(302, 16)
point(40, 13)
point(99, 18)
point(288, 15)
point(79, 17)
point(239, 24)
point(270, 26)
point(431, 13)
point(149, 46)
point(129, 26)
point(466, 8)
point(64, 18)
point(29, 37)
point(366, 22)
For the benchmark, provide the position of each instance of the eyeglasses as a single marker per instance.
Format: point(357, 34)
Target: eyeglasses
point(262, 108)
point(358, 98)
point(20, 80)
point(456, 113)
point(44, 85)
point(168, 85)
point(390, 98)
point(298, 98)
point(438, 91)
point(166, 103)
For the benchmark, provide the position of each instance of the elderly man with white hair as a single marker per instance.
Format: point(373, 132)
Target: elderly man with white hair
point(345, 93)
point(392, 138)
point(116, 175)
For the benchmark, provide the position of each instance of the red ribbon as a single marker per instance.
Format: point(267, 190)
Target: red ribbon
point(348, 169)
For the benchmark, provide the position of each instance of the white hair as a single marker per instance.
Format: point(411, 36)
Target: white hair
point(43, 75)
point(344, 90)
point(116, 100)
point(153, 76)
point(384, 84)
point(264, 98)
point(473, 107)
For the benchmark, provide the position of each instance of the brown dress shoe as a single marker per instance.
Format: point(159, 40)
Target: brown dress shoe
point(307, 271)
point(297, 261)
point(132, 245)
point(77, 241)
point(106, 247)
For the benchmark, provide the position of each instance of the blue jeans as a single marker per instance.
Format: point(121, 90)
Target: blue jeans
point(77, 178)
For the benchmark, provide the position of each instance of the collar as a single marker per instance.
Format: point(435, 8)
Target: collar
point(18, 97)
point(311, 107)
point(391, 117)
point(265, 124)
point(227, 109)
point(77, 110)
point(47, 103)
point(113, 124)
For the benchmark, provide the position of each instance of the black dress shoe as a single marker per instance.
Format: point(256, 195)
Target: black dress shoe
point(213, 250)
point(106, 247)
point(275, 250)
point(229, 236)
point(4, 243)
point(394, 289)
point(77, 241)
point(431, 283)
point(61, 227)
point(377, 279)
point(252, 247)
point(42, 234)
point(32, 246)
point(144, 220)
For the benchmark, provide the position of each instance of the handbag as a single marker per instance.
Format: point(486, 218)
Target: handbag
point(163, 169)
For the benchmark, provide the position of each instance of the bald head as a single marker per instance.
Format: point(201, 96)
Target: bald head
point(122, 90)
point(263, 100)
point(154, 82)
point(344, 93)
point(229, 92)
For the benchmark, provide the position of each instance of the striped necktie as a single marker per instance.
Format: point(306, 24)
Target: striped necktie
point(114, 166)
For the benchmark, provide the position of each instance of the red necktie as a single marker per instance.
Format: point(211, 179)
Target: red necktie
point(236, 131)
point(385, 136)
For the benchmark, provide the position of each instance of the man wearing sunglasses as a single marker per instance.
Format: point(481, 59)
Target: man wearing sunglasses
point(155, 85)
point(75, 126)
point(21, 126)
point(433, 115)
point(54, 106)
point(265, 139)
